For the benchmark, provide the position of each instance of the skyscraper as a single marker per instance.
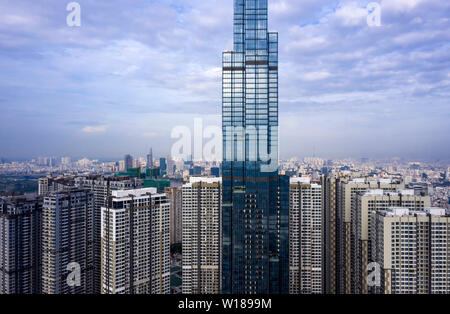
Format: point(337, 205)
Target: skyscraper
point(163, 165)
point(305, 237)
point(67, 243)
point(201, 235)
point(411, 249)
point(136, 243)
point(150, 159)
point(346, 198)
point(255, 199)
point(20, 244)
point(102, 188)
point(366, 206)
point(128, 162)
point(174, 194)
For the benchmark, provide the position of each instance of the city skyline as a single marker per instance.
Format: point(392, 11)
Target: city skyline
point(346, 89)
point(160, 150)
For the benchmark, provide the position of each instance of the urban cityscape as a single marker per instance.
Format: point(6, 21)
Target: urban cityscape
point(233, 212)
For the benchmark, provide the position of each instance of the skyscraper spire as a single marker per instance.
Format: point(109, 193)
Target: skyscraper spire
point(255, 199)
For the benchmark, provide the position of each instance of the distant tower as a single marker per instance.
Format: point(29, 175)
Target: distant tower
point(128, 162)
point(163, 165)
point(150, 159)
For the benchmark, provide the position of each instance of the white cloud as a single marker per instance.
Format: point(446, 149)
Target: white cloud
point(351, 15)
point(94, 129)
point(400, 5)
point(315, 76)
point(149, 134)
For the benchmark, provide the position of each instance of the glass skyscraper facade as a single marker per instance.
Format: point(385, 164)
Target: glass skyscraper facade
point(255, 217)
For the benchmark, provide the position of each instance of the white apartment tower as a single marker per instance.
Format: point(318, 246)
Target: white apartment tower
point(366, 206)
point(412, 249)
point(201, 230)
point(135, 243)
point(305, 237)
point(347, 192)
point(102, 187)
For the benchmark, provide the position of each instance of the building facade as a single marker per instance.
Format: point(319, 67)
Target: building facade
point(202, 198)
point(67, 243)
point(255, 208)
point(135, 243)
point(102, 188)
point(20, 244)
point(128, 162)
point(366, 205)
point(174, 194)
point(305, 237)
point(347, 192)
point(412, 249)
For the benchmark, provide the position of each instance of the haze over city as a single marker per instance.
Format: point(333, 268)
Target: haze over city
point(129, 74)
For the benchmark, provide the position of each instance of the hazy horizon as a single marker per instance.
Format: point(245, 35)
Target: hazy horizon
point(133, 71)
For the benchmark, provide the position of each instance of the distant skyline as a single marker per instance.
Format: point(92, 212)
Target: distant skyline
point(134, 70)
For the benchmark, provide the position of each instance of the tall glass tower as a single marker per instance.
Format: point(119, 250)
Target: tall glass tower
point(255, 215)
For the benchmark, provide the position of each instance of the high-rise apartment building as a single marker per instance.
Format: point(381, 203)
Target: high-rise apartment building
point(412, 251)
point(174, 194)
point(330, 193)
point(255, 215)
point(135, 243)
point(128, 162)
point(346, 193)
point(305, 237)
point(366, 205)
point(20, 244)
point(102, 188)
point(202, 199)
point(67, 243)
point(52, 184)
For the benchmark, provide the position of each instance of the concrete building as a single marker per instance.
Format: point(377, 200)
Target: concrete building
point(51, 184)
point(102, 188)
point(305, 237)
point(135, 243)
point(412, 249)
point(67, 243)
point(150, 159)
point(128, 162)
point(174, 194)
point(202, 206)
point(330, 193)
point(20, 244)
point(347, 190)
point(365, 206)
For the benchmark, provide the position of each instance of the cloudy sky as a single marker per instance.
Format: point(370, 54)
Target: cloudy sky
point(136, 69)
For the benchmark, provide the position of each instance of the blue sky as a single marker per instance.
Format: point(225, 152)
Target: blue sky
point(135, 69)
